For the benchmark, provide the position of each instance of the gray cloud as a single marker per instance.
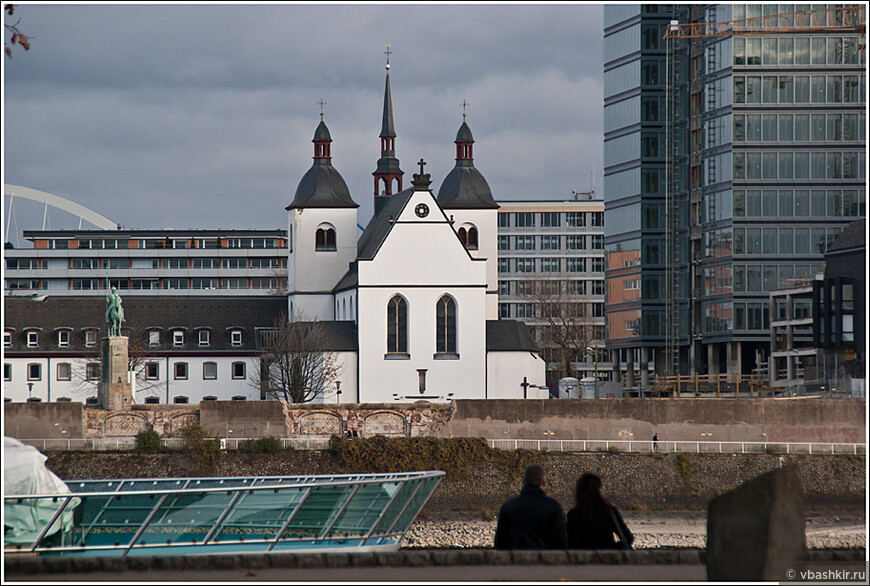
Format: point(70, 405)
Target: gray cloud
point(202, 116)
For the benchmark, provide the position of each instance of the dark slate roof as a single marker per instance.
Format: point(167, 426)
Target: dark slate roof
point(387, 127)
point(381, 224)
point(464, 134)
point(322, 133)
point(349, 280)
point(322, 186)
point(854, 236)
point(465, 188)
point(509, 335)
point(218, 314)
point(341, 336)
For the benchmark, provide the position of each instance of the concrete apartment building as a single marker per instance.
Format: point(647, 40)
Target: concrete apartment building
point(551, 267)
point(731, 164)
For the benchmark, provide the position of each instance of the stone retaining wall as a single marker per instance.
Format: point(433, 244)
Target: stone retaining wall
point(644, 481)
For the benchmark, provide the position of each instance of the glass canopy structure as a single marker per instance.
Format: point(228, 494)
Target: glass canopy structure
point(188, 516)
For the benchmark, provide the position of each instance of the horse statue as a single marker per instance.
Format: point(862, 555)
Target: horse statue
point(114, 312)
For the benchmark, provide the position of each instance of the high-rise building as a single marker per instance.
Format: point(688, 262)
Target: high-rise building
point(731, 163)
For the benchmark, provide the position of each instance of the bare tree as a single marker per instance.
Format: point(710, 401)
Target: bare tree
point(563, 320)
point(295, 363)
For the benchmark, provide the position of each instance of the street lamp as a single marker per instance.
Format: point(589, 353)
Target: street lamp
point(29, 390)
point(338, 391)
point(592, 348)
point(706, 435)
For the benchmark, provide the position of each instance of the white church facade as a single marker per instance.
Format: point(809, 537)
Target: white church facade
point(420, 284)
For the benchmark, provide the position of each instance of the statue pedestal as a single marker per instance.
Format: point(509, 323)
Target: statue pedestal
point(115, 392)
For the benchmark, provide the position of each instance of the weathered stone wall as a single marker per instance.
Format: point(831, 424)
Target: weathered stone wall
point(771, 420)
point(650, 481)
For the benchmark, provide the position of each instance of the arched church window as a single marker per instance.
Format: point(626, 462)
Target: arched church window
point(397, 325)
point(324, 238)
point(445, 326)
point(468, 236)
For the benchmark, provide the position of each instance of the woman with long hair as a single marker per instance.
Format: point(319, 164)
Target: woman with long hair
point(593, 521)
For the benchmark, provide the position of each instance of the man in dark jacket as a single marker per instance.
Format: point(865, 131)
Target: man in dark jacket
point(531, 520)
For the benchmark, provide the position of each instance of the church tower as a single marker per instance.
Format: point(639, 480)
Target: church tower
point(322, 234)
point(388, 172)
point(466, 198)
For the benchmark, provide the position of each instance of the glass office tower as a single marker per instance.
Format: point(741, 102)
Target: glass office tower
point(766, 135)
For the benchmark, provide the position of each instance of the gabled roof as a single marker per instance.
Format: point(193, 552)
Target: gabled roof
point(509, 335)
point(380, 225)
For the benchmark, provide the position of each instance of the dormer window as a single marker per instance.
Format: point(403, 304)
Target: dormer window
point(468, 236)
point(63, 339)
point(32, 339)
point(178, 338)
point(90, 338)
point(7, 339)
point(154, 338)
point(204, 338)
point(236, 338)
point(324, 238)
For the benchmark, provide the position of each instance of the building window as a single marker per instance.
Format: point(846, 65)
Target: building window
point(152, 400)
point(504, 220)
point(7, 339)
point(397, 326)
point(34, 371)
point(63, 338)
point(468, 236)
point(324, 238)
point(152, 370)
point(445, 326)
point(204, 337)
point(181, 399)
point(64, 371)
point(238, 370)
point(32, 339)
point(181, 371)
point(524, 219)
point(236, 338)
point(575, 219)
point(92, 371)
point(209, 398)
point(154, 338)
point(178, 338)
point(209, 370)
point(7, 371)
point(90, 338)
point(504, 243)
point(550, 219)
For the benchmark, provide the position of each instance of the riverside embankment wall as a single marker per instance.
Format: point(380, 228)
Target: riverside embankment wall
point(685, 419)
point(647, 481)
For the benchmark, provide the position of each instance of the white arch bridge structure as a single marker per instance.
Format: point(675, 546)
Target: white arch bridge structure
point(48, 201)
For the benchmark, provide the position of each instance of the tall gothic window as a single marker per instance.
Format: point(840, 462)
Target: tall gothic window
point(324, 238)
point(397, 326)
point(445, 326)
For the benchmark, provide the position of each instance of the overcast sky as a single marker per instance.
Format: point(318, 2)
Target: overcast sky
point(202, 116)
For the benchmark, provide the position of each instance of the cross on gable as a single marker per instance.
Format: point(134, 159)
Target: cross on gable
point(421, 162)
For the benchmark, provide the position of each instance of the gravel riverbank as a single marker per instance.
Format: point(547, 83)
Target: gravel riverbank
point(651, 530)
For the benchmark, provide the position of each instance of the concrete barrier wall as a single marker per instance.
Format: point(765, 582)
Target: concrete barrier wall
point(771, 420)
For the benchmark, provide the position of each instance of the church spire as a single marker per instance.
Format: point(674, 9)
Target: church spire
point(388, 171)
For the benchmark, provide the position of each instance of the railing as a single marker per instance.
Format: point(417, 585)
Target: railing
point(552, 445)
point(674, 446)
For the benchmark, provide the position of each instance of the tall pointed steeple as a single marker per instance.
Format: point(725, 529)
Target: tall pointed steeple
point(388, 171)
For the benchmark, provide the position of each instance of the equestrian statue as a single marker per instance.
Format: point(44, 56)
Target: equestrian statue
point(114, 311)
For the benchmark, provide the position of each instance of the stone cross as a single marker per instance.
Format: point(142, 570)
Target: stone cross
point(421, 162)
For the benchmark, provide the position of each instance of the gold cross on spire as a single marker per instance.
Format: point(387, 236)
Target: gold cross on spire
point(322, 104)
point(387, 53)
point(464, 104)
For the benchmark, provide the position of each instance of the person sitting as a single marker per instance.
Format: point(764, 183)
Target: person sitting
point(531, 520)
point(593, 521)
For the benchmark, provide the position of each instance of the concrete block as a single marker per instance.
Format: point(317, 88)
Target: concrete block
point(757, 531)
point(526, 557)
point(580, 556)
point(416, 558)
point(497, 557)
point(470, 557)
point(554, 557)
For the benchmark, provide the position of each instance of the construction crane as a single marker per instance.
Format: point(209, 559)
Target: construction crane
point(842, 18)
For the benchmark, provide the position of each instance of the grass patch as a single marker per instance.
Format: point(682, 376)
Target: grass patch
point(149, 441)
point(261, 445)
point(683, 466)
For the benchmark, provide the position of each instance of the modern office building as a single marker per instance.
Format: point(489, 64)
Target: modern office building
point(149, 262)
point(551, 276)
point(731, 164)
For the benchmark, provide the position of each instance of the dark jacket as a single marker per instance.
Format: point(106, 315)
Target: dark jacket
point(599, 532)
point(531, 520)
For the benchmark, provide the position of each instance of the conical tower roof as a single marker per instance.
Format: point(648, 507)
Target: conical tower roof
point(322, 186)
